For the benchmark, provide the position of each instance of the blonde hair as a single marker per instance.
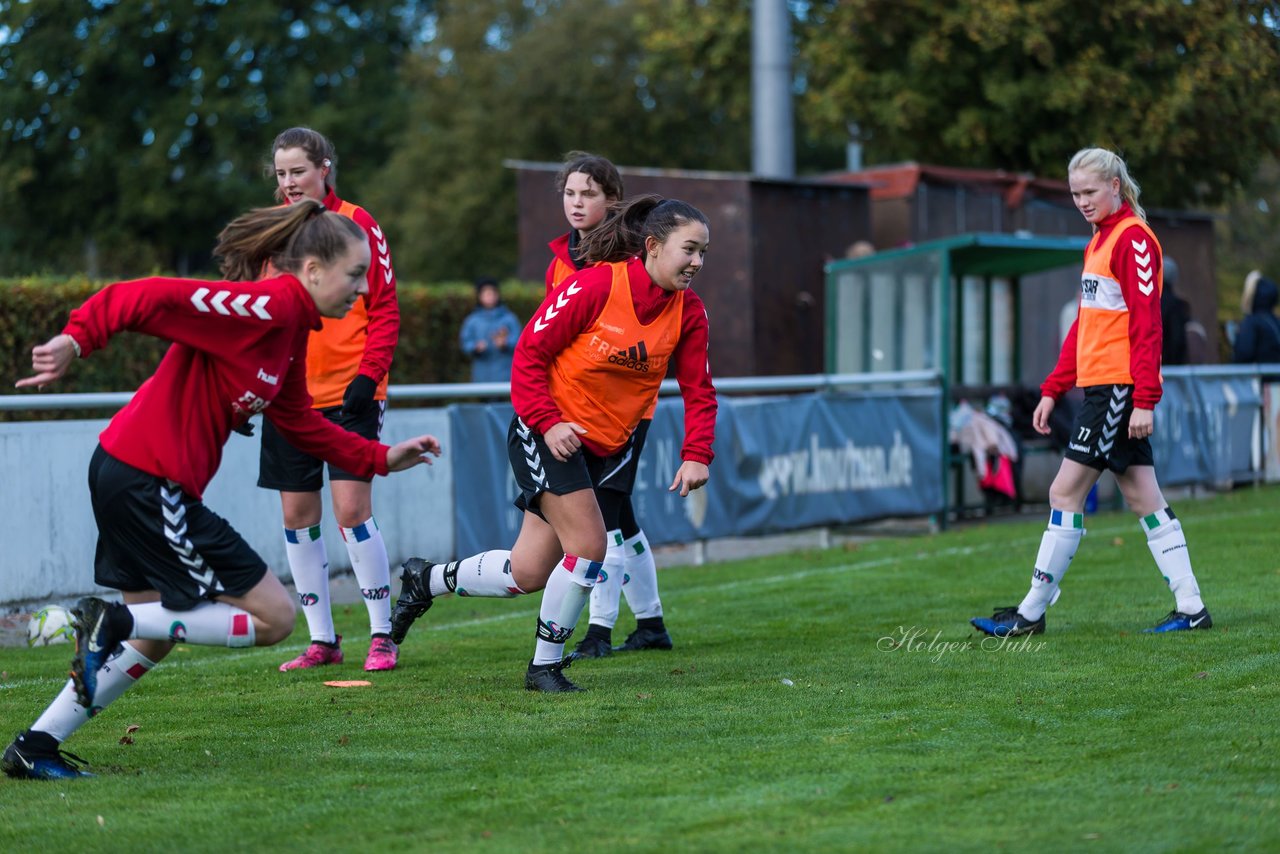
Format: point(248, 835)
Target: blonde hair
point(1250, 290)
point(1109, 165)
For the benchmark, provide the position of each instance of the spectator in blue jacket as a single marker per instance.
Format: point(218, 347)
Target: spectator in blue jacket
point(489, 334)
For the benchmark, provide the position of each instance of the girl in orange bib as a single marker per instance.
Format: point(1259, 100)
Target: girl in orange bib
point(587, 368)
point(1113, 352)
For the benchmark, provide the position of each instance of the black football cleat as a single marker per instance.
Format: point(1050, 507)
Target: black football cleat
point(645, 638)
point(1007, 623)
point(35, 756)
point(415, 597)
point(100, 627)
point(549, 678)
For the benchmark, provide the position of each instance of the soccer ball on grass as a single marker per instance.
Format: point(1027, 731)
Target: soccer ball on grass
point(51, 624)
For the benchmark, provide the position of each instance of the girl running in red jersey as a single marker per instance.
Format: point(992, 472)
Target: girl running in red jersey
point(586, 371)
point(1113, 352)
point(588, 184)
point(239, 348)
point(347, 363)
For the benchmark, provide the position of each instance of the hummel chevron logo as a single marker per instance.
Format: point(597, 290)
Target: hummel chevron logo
point(552, 310)
point(1143, 260)
point(1113, 419)
point(259, 307)
point(1109, 432)
point(1117, 405)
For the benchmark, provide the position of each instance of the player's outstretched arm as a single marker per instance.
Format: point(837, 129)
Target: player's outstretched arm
point(689, 477)
point(411, 452)
point(50, 361)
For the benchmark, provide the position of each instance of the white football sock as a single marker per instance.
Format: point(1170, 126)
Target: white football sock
point(309, 565)
point(368, 553)
point(208, 624)
point(487, 574)
point(608, 588)
point(64, 715)
point(1057, 547)
point(563, 599)
point(640, 581)
point(1168, 546)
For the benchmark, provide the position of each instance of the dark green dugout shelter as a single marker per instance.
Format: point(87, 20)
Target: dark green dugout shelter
point(951, 306)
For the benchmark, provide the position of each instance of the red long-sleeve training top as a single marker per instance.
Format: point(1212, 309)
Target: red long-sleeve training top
point(549, 332)
point(238, 348)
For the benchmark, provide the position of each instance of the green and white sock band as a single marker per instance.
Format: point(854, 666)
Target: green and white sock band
point(302, 535)
point(1063, 519)
point(1158, 518)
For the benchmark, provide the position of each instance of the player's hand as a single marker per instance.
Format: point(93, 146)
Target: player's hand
point(1040, 418)
point(563, 439)
point(358, 398)
point(690, 476)
point(1142, 423)
point(245, 429)
point(411, 452)
point(50, 361)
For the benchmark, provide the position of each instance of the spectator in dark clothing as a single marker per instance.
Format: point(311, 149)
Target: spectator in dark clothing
point(1258, 338)
point(1175, 314)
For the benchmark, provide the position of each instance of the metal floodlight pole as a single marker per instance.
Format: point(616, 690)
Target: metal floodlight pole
point(772, 133)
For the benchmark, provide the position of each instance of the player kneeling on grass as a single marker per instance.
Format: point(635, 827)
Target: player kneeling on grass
point(1113, 352)
point(239, 347)
point(587, 367)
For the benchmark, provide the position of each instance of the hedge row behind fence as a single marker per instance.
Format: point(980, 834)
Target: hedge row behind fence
point(33, 310)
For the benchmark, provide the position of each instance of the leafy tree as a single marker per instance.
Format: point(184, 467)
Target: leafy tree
point(510, 79)
point(131, 131)
point(1185, 90)
point(645, 83)
point(1247, 237)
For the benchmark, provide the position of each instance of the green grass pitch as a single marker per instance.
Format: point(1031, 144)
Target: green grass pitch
point(815, 701)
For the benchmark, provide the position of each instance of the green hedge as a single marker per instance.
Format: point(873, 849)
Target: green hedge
point(33, 310)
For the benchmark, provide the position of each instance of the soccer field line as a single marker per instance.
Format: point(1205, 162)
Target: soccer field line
point(528, 613)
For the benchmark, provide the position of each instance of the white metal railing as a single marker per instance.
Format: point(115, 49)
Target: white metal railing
point(479, 391)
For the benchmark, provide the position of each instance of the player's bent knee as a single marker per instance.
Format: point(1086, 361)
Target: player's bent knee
point(274, 624)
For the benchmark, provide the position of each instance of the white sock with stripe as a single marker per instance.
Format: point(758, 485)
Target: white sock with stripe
point(608, 588)
point(209, 624)
point(640, 582)
point(1168, 546)
point(487, 574)
point(563, 599)
point(1058, 546)
point(368, 553)
point(309, 565)
point(64, 715)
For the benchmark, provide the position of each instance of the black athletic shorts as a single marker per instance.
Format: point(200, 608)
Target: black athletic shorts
point(1100, 435)
point(284, 468)
point(537, 470)
point(153, 536)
